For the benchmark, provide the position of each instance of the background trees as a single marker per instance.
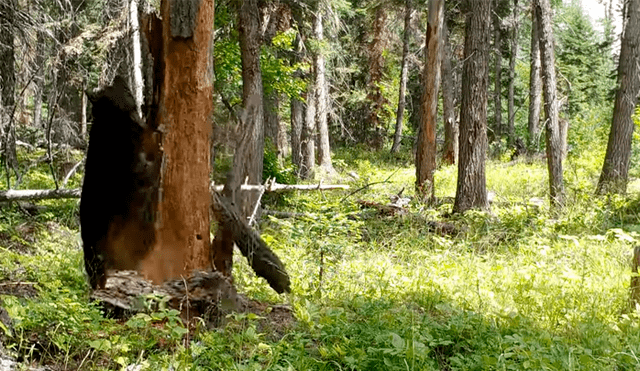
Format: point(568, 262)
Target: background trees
point(361, 50)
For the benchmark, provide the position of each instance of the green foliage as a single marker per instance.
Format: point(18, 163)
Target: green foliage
point(272, 167)
point(517, 289)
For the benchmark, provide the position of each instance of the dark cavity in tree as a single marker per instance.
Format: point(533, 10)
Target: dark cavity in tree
point(120, 190)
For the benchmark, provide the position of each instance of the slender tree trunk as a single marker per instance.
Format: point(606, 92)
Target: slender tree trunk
point(250, 152)
point(615, 170)
point(136, 52)
point(297, 112)
point(271, 119)
point(451, 131)
point(38, 90)
point(535, 82)
point(308, 136)
point(552, 128)
point(426, 149)
point(397, 137)
point(376, 117)
point(497, 90)
point(8, 84)
point(324, 150)
point(471, 191)
point(83, 112)
point(297, 122)
point(182, 107)
point(512, 74)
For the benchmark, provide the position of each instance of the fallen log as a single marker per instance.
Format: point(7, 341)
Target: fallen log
point(50, 194)
point(38, 194)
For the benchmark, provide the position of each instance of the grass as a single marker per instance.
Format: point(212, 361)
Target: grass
point(518, 289)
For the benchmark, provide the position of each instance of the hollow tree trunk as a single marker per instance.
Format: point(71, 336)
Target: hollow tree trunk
point(181, 45)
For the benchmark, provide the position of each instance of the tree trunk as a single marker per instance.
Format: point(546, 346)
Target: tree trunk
point(552, 128)
point(137, 83)
point(38, 89)
point(272, 120)
point(376, 117)
point(8, 85)
point(451, 131)
point(297, 112)
point(535, 82)
point(426, 149)
point(615, 170)
point(297, 121)
point(512, 75)
point(182, 49)
point(497, 90)
point(83, 112)
point(324, 150)
point(471, 191)
point(397, 137)
point(308, 143)
point(249, 154)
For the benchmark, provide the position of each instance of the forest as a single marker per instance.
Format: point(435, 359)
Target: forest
point(410, 185)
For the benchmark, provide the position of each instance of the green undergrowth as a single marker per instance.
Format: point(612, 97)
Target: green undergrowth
point(516, 288)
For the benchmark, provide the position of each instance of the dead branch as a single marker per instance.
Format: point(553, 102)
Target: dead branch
point(277, 187)
point(264, 262)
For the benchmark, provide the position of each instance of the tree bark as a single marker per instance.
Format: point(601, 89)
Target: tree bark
point(451, 130)
point(8, 85)
point(249, 154)
point(535, 82)
point(497, 90)
point(375, 134)
point(397, 137)
point(471, 191)
point(297, 111)
point(297, 121)
point(426, 149)
point(552, 128)
point(308, 136)
point(183, 84)
point(38, 89)
point(615, 170)
point(512, 75)
point(137, 84)
point(324, 150)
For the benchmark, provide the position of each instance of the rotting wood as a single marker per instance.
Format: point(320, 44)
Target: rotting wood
point(49, 194)
point(208, 295)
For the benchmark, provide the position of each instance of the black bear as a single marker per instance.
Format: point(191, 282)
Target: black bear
point(120, 188)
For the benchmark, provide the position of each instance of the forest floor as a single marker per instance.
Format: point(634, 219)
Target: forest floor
point(516, 288)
